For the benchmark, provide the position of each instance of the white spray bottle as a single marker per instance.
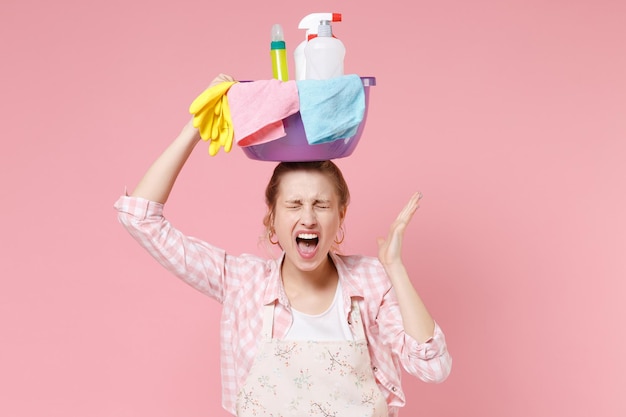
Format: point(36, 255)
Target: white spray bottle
point(310, 23)
point(324, 54)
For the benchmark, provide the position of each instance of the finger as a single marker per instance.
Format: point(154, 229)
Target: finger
point(214, 147)
point(215, 129)
point(218, 106)
point(206, 124)
point(407, 212)
point(221, 78)
point(228, 124)
point(228, 145)
point(200, 117)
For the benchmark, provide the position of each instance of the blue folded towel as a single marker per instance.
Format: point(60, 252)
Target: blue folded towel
point(331, 109)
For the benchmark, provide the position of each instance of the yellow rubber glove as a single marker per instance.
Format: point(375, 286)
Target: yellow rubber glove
point(211, 116)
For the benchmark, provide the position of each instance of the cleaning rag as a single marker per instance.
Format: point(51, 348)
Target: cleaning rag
point(258, 107)
point(331, 109)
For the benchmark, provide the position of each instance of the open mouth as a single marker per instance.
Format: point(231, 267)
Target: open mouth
point(307, 242)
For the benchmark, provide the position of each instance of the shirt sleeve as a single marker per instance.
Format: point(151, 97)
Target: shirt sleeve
point(196, 262)
point(430, 360)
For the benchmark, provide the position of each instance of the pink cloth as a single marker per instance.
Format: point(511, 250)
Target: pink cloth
point(244, 284)
point(257, 109)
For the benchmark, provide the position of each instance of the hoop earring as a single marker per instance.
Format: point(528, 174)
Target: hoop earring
point(270, 233)
point(343, 236)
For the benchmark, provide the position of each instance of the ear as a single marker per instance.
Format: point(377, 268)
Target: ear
point(342, 213)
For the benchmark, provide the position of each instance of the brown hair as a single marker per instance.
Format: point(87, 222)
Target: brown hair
point(327, 168)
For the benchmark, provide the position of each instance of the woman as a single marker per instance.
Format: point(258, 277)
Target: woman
point(313, 332)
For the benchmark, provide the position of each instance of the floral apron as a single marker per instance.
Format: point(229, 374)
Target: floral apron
point(292, 378)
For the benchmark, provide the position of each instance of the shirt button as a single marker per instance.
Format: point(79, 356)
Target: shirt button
point(394, 389)
point(375, 369)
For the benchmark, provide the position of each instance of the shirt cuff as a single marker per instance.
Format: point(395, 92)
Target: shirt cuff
point(138, 207)
point(432, 348)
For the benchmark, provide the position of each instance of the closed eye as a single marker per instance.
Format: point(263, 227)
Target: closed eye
point(324, 204)
point(318, 204)
point(293, 204)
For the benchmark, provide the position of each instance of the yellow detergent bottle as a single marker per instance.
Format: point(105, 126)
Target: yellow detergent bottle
point(279, 54)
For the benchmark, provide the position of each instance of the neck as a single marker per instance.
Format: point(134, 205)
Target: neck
point(322, 277)
point(311, 292)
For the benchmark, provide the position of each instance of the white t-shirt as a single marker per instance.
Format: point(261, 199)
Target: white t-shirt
point(332, 324)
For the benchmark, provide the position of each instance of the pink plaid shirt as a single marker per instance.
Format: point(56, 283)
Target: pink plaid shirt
point(244, 284)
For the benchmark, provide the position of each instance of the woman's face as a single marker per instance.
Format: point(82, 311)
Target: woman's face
point(307, 218)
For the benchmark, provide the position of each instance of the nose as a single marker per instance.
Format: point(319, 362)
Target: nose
point(308, 217)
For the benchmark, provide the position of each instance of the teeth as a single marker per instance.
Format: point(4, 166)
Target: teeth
point(307, 236)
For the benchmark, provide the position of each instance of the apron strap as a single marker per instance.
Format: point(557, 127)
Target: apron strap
point(357, 322)
point(268, 320)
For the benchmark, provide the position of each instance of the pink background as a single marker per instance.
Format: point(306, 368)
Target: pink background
point(510, 117)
